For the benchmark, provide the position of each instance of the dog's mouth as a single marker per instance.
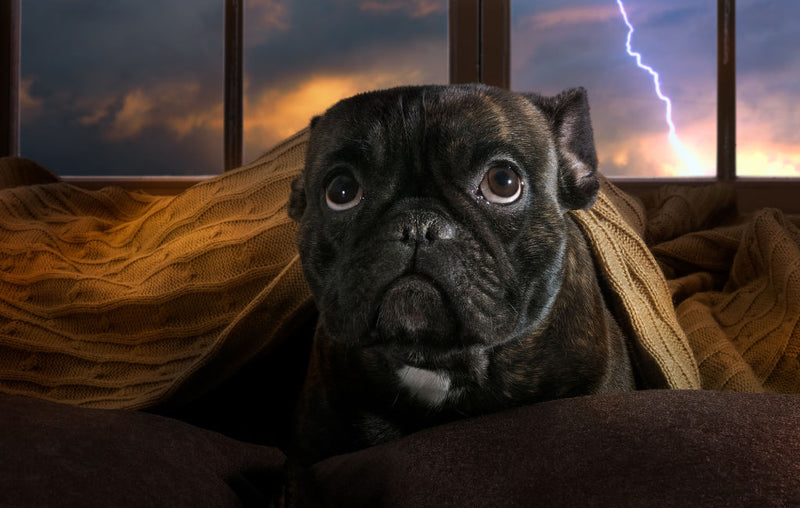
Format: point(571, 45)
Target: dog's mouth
point(414, 311)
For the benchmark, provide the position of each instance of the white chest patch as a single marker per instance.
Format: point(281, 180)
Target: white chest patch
point(428, 386)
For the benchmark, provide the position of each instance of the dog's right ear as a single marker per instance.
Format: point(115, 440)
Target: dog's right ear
point(568, 113)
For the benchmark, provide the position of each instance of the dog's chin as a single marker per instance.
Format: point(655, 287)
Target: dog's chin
point(413, 312)
point(417, 320)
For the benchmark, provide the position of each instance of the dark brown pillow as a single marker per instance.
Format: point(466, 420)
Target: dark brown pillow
point(59, 455)
point(650, 448)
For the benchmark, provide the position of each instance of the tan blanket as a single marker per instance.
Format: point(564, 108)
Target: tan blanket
point(112, 298)
point(118, 299)
point(733, 284)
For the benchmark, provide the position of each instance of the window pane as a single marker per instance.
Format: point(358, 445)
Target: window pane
point(767, 88)
point(557, 44)
point(121, 87)
point(301, 57)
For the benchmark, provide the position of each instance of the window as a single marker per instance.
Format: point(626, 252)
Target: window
point(301, 57)
point(561, 44)
point(136, 88)
point(768, 97)
point(122, 88)
point(554, 44)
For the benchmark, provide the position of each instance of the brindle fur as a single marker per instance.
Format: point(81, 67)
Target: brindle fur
point(517, 316)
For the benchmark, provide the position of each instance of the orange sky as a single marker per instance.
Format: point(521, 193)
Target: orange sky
point(272, 114)
point(555, 45)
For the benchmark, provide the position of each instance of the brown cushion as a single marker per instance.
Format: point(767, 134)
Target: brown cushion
point(649, 448)
point(59, 455)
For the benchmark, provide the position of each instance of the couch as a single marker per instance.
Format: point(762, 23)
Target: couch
point(151, 348)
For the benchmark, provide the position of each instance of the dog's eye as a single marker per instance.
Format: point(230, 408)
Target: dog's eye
point(501, 184)
point(343, 192)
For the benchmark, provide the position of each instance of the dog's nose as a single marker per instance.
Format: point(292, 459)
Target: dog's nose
point(425, 228)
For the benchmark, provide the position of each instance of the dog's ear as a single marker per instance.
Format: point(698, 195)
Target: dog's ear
point(297, 198)
point(568, 113)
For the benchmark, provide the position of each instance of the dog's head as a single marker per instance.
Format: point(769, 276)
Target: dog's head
point(433, 218)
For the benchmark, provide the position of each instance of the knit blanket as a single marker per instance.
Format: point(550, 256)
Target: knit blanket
point(692, 274)
point(120, 299)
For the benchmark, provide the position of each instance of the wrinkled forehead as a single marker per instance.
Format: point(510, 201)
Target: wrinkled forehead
point(487, 109)
point(406, 117)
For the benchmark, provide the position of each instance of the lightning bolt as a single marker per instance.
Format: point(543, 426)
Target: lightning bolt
point(693, 167)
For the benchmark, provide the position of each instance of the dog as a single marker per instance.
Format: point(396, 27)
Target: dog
point(451, 280)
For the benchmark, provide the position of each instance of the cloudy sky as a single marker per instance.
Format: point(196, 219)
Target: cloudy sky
point(131, 87)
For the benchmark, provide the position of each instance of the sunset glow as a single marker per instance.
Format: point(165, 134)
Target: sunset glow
point(691, 165)
point(273, 114)
point(140, 91)
point(566, 44)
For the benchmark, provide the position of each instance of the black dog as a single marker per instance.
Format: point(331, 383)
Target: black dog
point(450, 278)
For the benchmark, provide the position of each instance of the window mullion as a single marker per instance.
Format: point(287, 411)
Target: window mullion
point(495, 40)
point(479, 41)
point(726, 90)
point(9, 77)
point(234, 85)
point(464, 28)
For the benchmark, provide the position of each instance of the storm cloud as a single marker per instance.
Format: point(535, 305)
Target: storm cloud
point(123, 87)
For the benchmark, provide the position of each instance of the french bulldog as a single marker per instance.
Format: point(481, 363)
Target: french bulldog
point(435, 234)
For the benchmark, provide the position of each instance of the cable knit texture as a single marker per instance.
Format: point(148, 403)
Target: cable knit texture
point(120, 299)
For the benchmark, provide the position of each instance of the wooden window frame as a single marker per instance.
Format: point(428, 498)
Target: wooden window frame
point(9, 76)
point(479, 42)
point(480, 34)
point(233, 111)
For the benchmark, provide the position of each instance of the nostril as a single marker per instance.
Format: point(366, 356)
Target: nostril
point(439, 230)
point(445, 231)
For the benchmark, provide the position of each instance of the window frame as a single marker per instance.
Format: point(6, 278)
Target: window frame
point(474, 57)
point(9, 77)
point(493, 17)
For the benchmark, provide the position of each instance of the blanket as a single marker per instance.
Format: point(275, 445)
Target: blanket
point(120, 299)
point(732, 281)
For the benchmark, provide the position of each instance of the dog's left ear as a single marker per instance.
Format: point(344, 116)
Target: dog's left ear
point(297, 198)
point(568, 113)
